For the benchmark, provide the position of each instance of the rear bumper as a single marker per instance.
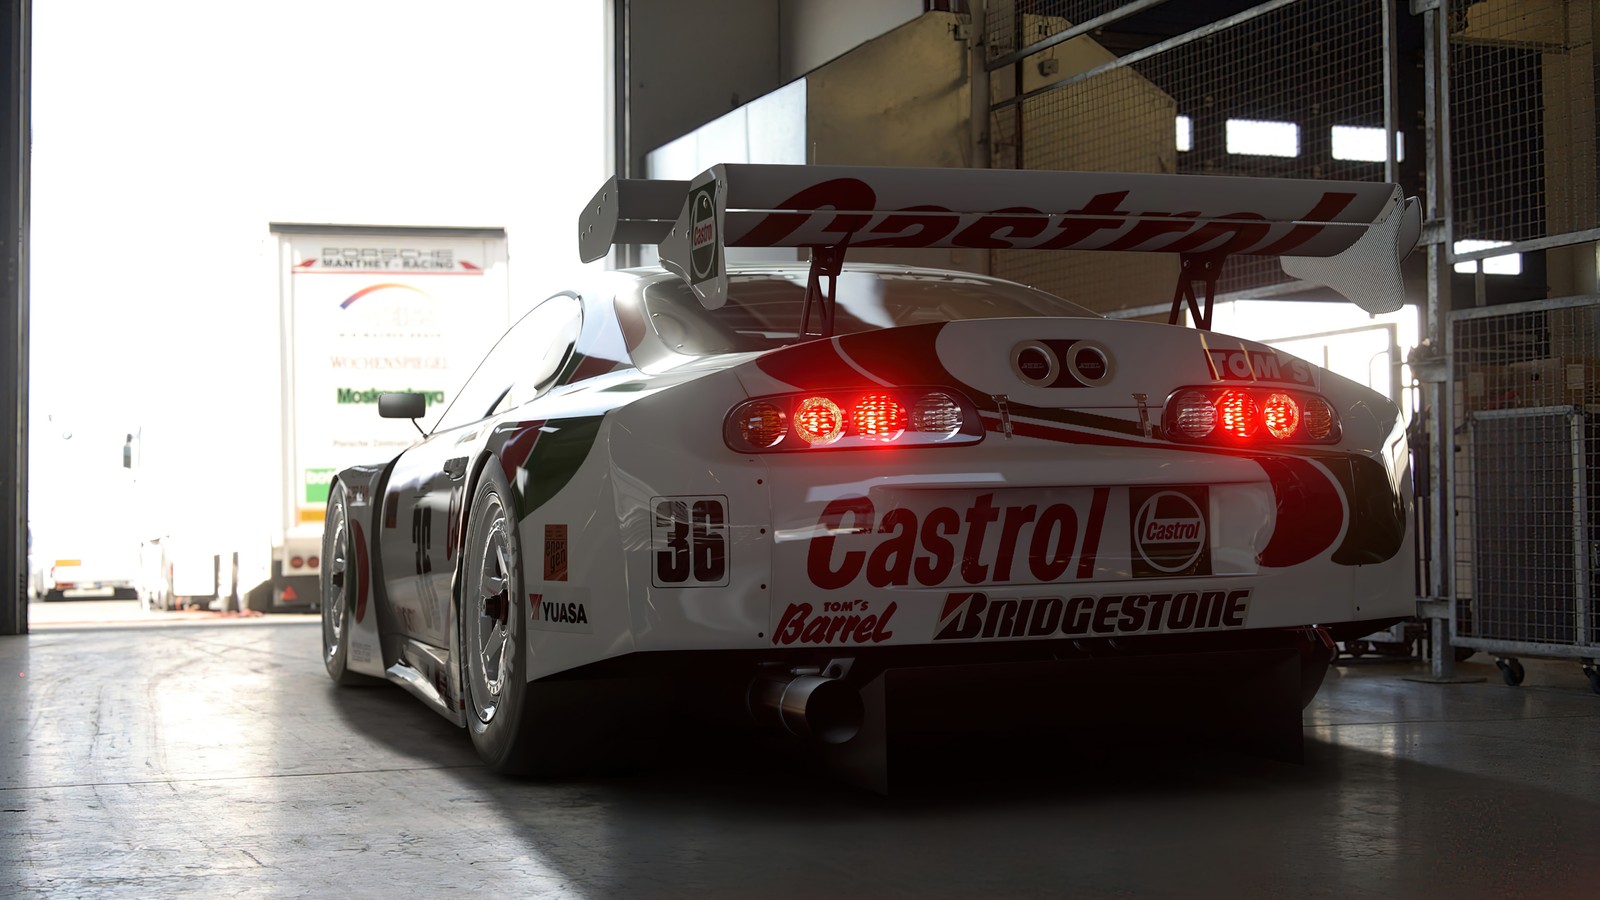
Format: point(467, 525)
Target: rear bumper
point(694, 672)
point(1240, 691)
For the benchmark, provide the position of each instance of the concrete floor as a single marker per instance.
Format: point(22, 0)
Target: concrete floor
point(215, 758)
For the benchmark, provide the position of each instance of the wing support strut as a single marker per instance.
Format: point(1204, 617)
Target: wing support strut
point(826, 263)
point(1203, 268)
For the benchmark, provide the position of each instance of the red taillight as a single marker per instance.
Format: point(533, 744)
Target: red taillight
point(313, 562)
point(852, 419)
point(878, 416)
point(819, 420)
point(1281, 415)
point(1238, 414)
point(1257, 415)
point(296, 562)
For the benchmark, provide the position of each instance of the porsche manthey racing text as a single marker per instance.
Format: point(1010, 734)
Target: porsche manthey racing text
point(805, 492)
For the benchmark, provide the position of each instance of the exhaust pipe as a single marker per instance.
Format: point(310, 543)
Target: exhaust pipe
point(808, 706)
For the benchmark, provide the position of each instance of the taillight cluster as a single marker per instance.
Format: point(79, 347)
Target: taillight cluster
point(1259, 415)
point(846, 419)
point(298, 562)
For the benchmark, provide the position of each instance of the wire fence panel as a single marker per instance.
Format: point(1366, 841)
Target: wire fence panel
point(1527, 475)
point(1522, 120)
point(1258, 97)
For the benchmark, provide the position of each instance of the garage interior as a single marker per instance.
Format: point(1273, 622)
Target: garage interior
point(154, 753)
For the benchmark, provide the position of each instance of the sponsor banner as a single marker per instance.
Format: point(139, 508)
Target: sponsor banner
point(378, 318)
point(1261, 365)
point(975, 616)
point(1169, 530)
point(567, 611)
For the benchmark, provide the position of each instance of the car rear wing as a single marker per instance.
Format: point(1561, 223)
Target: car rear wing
point(1350, 236)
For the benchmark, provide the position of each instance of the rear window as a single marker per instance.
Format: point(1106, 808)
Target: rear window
point(764, 310)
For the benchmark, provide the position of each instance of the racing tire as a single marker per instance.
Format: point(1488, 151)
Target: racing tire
point(54, 594)
point(492, 622)
point(339, 589)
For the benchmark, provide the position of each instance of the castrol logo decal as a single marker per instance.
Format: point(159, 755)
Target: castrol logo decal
point(983, 540)
point(1170, 534)
point(703, 232)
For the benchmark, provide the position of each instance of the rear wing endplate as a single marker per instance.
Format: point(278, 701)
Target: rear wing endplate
point(1350, 236)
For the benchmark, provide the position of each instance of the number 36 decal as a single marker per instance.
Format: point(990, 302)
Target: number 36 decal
point(689, 541)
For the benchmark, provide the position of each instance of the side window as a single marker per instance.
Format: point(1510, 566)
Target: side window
point(548, 330)
point(537, 371)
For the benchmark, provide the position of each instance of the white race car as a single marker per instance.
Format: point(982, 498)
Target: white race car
point(808, 491)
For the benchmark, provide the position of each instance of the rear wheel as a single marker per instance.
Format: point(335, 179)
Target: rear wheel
point(340, 590)
point(493, 641)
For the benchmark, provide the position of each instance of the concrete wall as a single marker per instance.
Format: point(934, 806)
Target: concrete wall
point(691, 61)
point(812, 32)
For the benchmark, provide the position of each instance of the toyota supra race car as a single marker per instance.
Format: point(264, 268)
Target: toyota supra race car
point(846, 498)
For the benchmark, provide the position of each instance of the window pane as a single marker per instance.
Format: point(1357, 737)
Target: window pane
point(1509, 264)
point(1365, 144)
point(1253, 138)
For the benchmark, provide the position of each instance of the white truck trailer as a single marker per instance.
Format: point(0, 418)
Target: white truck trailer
point(368, 309)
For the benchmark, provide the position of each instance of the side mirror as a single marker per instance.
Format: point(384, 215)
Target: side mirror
point(402, 405)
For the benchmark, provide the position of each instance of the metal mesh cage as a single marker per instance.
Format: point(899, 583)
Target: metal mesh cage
point(1301, 69)
point(1527, 473)
point(1522, 120)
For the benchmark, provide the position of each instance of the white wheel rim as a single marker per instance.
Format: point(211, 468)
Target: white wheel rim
point(335, 582)
point(490, 608)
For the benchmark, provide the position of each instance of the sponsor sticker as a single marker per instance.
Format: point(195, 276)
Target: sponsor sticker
point(975, 616)
point(1169, 531)
point(703, 233)
point(986, 538)
point(547, 613)
point(834, 622)
point(1261, 365)
point(555, 552)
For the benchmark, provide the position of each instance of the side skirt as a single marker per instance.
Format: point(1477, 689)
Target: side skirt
point(426, 672)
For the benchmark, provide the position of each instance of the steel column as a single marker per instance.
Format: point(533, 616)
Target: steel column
point(15, 32)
